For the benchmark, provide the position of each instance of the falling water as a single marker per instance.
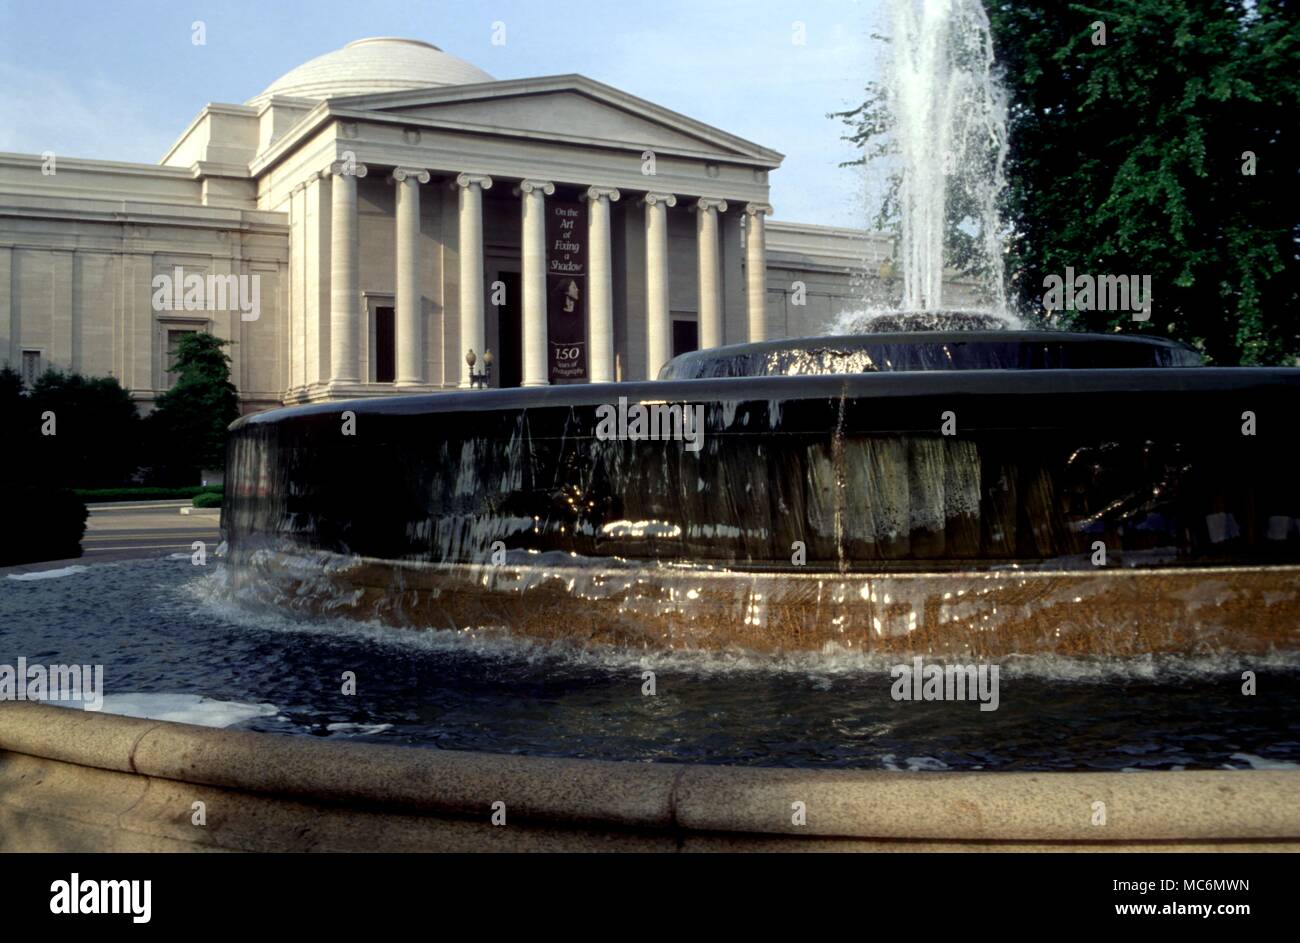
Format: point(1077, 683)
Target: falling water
point(948, 117)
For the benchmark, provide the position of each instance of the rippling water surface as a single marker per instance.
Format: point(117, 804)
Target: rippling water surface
point(166, 627)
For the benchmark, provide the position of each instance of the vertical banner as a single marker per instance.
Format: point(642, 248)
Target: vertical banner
point(566, 290)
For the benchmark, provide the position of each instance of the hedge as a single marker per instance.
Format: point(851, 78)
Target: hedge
point(40, 524)
point(144, 494)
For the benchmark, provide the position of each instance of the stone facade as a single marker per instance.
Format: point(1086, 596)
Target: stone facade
point(388, 200)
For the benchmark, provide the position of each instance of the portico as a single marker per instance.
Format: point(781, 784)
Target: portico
point(399, 207)
point(466, 176)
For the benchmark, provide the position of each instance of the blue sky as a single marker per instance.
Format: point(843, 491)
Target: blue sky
point(120, 80)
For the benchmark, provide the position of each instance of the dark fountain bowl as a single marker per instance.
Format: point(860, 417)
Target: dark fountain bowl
point(953, 492)
point(930, 350)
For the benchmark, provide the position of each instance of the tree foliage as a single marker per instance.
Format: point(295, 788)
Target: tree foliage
point(188, 426)
point(42, 519)
point(1130, 158)
point(98, 429)
point(70, 430)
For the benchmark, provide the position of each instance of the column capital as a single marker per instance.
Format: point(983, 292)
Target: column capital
point(401, 174)
point(469, 180)
point(528, 186)
point(754, 209)
point(650, 199)
point(602, 193)
point(708, 203)
point(347, 168)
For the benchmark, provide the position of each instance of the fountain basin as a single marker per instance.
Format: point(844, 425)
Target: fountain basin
point(949, 343)
point(823, 509)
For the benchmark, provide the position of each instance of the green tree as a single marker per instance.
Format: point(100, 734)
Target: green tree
point(97, 441)
point(41, 520)
point(1134, 157)
point(20, 423)
point(188, 427)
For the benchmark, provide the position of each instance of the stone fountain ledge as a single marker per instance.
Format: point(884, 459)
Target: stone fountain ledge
point(78, 781)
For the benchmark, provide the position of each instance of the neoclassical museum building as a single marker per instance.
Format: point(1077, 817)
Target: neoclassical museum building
point(390, 207)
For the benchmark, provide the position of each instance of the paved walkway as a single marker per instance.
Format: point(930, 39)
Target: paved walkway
point(147, 528)
point(128, 530)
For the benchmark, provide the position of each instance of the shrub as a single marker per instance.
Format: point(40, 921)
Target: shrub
point(97, 430)
point(41, 523)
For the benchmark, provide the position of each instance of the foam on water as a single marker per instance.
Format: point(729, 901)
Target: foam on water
point(912, 764)
point(212, 595)
point(185, 709)
point(883, 319)
point(49, 574)
point(1258, 762)
point(358, 730)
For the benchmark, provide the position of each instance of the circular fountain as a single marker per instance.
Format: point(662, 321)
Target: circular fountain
point(982, 492)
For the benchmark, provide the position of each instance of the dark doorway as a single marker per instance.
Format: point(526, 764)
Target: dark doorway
point(510, 333)
point(385, 346)
point(686, 337)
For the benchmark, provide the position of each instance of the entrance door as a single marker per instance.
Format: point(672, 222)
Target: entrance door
point(385, 346)
point(686, 336)
point(510, 334)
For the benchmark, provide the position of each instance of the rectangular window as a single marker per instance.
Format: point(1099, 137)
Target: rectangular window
point(385, 346)
point(686, 337)
point(170, 376)
point(31, 367)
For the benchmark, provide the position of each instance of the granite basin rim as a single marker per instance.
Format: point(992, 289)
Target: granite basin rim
point(1253, 808)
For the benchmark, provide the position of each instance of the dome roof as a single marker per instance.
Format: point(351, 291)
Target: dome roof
point(369, 66)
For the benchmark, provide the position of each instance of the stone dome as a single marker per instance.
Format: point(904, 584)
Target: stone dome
point(370, 66)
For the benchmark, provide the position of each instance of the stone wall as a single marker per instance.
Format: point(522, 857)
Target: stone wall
point(80, 247)
point(76, 781)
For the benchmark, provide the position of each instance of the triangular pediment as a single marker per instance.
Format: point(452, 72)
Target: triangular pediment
point(571, 109)
point(565, 114)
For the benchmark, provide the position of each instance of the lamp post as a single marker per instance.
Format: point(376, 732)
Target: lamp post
point(478, 379)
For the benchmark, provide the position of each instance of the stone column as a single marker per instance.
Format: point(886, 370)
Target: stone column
point(756, 270)
point(473, 329)
point(410, 338)
point(601, 293)
point(710, 270)
point(659, 328)
point(345, 293)
point(533, 279)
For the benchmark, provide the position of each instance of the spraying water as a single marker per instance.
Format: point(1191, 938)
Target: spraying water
point(947, 114)
point(950, 122)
